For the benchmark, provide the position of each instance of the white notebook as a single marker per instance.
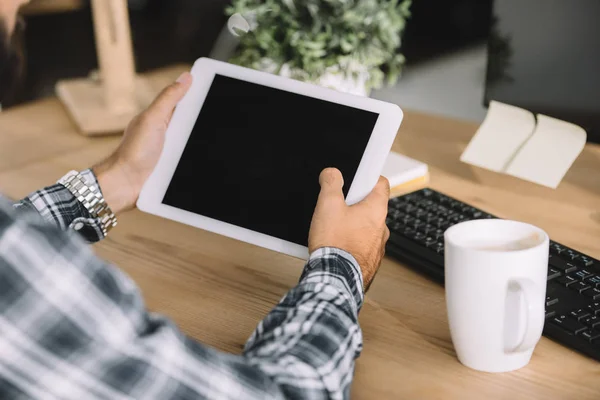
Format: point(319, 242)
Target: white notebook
point(399, 169)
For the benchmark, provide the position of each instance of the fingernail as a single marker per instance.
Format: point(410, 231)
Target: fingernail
point(183, 78)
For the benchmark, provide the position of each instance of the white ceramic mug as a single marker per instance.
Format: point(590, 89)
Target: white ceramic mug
point(495, 280)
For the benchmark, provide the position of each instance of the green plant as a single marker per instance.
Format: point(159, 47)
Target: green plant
point(313, 37)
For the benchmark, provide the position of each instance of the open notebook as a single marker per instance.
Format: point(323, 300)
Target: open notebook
point(516, 142)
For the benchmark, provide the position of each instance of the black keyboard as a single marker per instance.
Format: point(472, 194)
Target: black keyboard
point(417, 222)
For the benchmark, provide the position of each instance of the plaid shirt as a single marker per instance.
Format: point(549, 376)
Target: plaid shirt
point(74, 327)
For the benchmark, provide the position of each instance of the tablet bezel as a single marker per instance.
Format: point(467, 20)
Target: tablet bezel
point(184, 119)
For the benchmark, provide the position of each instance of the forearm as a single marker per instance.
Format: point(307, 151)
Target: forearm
point(309, 341)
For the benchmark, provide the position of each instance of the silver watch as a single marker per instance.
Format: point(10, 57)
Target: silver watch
point(91, 198)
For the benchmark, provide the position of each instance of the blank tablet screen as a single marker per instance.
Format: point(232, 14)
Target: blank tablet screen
point(255, 153)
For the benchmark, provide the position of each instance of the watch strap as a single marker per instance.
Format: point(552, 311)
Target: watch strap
point(89, 195)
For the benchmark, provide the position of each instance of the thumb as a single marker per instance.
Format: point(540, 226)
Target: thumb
point(331, 182)
point(380, 195)
point(166, 101)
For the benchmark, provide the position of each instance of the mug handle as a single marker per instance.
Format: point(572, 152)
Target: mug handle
point(535, 315)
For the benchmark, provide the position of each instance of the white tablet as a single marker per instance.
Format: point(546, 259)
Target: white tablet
point(245, 148)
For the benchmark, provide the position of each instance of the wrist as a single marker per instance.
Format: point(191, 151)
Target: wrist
point(339, 263)
point(115, 188)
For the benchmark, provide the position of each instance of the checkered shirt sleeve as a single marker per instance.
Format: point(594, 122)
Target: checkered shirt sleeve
point(75, 327)
point(56, 204)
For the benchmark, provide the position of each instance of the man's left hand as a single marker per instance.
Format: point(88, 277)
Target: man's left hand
point(122, 175)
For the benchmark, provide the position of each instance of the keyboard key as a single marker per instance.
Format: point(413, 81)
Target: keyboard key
point(417, 212)
point(438, 247)
point(591, 335)
point(419, 236)
point(456, 218)
point(594, 281)
point(427, 229)
point(553, 273)
point(561, 265)
point(416, 224)
point(409, 208)
point(569, 255)
point(438, 233)
point(569, 324)
point(556, 248)
point(440, 222)
point(413, 197)
point(594, 308)
point(581, 274)
point(566, 280)
point(421, 213)
point(395, 214)
point(469, 210)
point(550, 300)
point(550, 313)
point(397, 205)
point(579, 314)
point(579, 286)
point(396, 226)
point(409, 232)
point(593, 293)
point(430, 217)
point(426, 240)
point(592, 321)
point(408, 219)
point(584, 261)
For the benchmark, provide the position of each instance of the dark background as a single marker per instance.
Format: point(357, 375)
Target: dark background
point(170, 31)
point(544, 56)
point(180, 31)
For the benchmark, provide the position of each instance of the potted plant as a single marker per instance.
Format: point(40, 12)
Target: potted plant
point(352, 45)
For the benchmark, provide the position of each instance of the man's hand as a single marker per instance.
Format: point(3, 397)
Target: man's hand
point(358, 229)
point(122, 175)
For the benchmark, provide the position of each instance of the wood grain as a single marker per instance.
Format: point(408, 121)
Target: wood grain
point(217, 289)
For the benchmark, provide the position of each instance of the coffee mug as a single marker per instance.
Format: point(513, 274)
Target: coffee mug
point(495, 280)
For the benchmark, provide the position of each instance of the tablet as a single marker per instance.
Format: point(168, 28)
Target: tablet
point(244, 150)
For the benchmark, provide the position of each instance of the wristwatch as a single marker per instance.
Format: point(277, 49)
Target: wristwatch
point(90, 196)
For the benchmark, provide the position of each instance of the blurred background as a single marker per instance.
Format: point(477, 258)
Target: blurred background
point(453, 56)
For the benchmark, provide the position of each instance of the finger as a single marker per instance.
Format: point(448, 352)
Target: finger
point(380, 195)
point(331, 182)
point(166, 101)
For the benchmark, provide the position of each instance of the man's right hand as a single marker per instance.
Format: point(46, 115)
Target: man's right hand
point(358, 229)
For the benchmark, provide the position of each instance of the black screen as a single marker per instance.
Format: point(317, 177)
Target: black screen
point(254, 156)
point(544, 56)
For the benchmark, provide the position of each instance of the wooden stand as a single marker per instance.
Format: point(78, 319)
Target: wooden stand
point(105, 104)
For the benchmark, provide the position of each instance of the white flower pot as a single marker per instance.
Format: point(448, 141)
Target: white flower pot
point(334, 78)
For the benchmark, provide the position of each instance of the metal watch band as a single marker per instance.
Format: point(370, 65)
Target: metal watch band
point(91, 198)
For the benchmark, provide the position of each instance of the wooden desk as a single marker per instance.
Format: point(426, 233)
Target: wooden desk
point(217, 289)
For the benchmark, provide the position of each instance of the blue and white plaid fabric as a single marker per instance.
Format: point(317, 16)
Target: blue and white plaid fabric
point(74, 327)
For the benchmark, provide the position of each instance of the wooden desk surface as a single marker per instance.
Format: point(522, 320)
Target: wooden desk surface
point(217, 289)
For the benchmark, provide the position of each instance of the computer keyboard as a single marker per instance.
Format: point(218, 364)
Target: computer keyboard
point(417, 222)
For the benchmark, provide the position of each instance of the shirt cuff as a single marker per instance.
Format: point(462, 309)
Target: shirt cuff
point(56, 204)
point(335, 266)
